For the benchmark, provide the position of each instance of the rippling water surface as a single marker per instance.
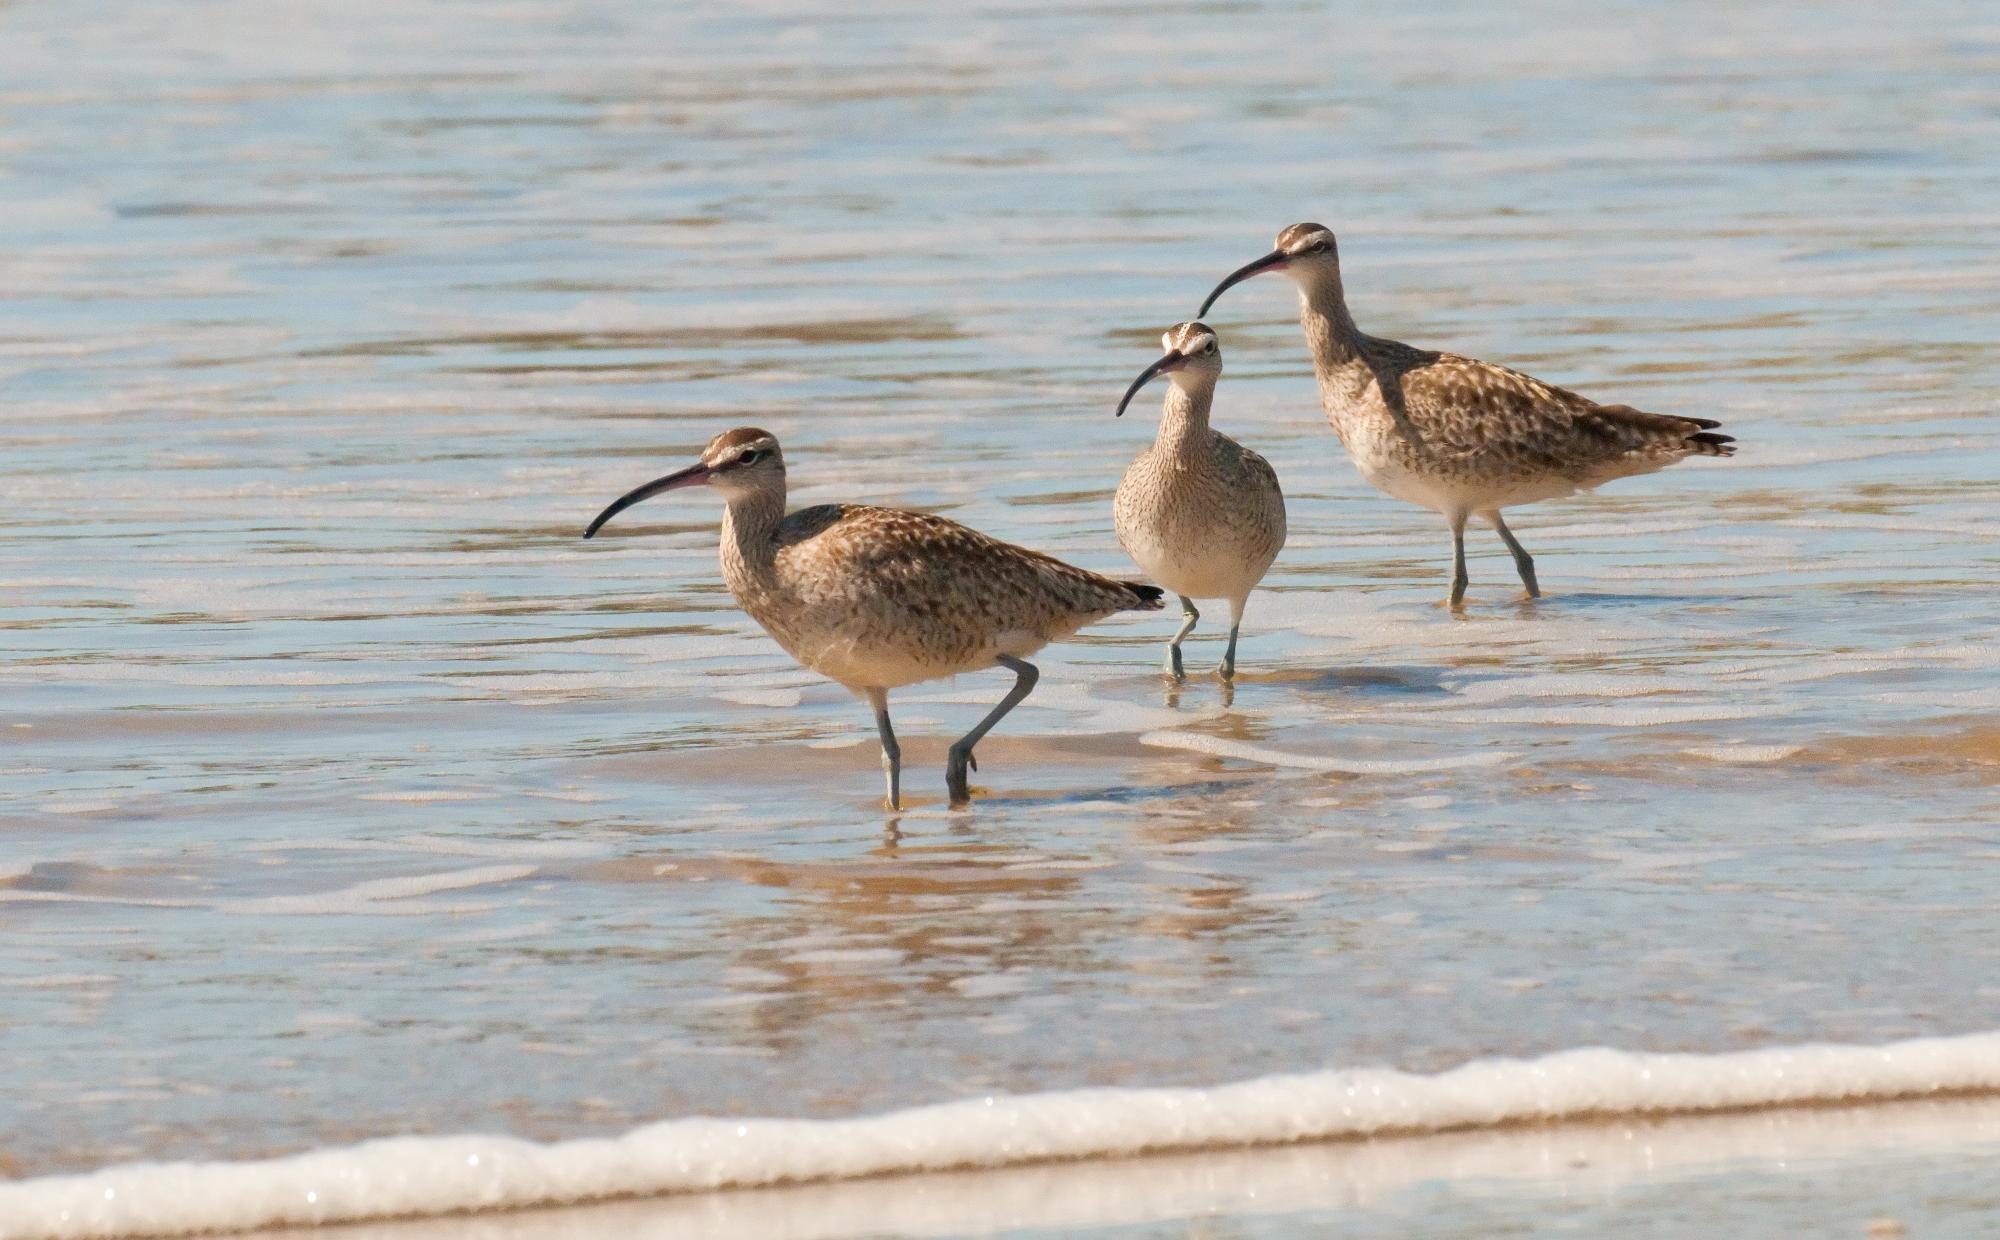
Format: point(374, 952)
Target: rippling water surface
point(344, 791)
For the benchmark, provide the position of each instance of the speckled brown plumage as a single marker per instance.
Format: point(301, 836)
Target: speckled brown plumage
point(1197, 511)
point(881, 597)
point(1457, 435)
point(1476, 436)
point(877, 598)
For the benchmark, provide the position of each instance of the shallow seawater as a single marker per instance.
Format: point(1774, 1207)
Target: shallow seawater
point(344, 791)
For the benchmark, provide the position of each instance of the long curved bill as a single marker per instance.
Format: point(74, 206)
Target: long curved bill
point(1147, 375)
point(1273, 261)
point(692, 476)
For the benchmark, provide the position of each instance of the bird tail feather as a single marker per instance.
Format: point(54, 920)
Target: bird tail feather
point(1640, 429)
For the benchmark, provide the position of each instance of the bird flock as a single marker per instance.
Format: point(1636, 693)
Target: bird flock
point(879, 598)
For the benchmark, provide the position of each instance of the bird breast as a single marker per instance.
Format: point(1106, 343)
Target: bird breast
point(1207, 527)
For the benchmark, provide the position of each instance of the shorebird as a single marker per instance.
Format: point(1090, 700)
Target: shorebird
point(1199, 512)
point(1460, 436)
point(878, 598)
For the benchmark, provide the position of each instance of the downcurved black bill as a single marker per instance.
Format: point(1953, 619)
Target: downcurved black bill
point(1270, 262)
point(1147, 375)
point(692, 476)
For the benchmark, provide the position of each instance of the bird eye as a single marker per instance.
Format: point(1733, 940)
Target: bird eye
point(749, 457)
point(1209, 347)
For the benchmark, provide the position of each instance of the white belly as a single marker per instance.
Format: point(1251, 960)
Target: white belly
point(1394, 479)
point(1192, 569)
point(891, 666)
point(1388, 468)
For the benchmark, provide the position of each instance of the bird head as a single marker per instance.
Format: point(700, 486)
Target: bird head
point(1190, 357)
point(1305, 252)
point(742, 462)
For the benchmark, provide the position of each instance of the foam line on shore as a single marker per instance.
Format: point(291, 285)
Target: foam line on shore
point(425, 1176)
point(1222, 747)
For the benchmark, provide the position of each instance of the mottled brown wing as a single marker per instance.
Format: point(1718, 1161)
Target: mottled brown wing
point(921, 560)
point(1260, 482)
point(809, 523)
point(1259, 470)
point(1468, 408)
point(1460, 405)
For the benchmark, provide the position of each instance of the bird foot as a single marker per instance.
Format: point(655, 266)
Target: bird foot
point(956, 764)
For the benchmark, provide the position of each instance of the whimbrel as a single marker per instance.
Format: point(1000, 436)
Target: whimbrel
point(1456, 435)
point(878, 598)
point(1199, 512)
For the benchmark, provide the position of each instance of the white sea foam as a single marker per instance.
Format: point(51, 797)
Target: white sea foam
point(54, 981)
point(383, 895)
point(652, 679)
point(1220, 747)
point(1564, 1162)
point(780, 699)
point(1748, 754)
point(441, 846)
point(1949, 699)
point(1615, 716)
point(1575, 685)
point(416, 1176)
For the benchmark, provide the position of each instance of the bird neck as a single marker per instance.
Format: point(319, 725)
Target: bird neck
point(1330, 331)
point(1184, 420)
point(749, 538)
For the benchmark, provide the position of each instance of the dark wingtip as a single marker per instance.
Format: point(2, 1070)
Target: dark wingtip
point(1711, 444)
point(1149, 596)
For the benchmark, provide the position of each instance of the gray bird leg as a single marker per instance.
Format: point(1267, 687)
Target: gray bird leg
point(1188, 618)
point(1523, 562)
point(1458, 577)
point(960, 756)
point(892, 753)
point(1227, 668)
